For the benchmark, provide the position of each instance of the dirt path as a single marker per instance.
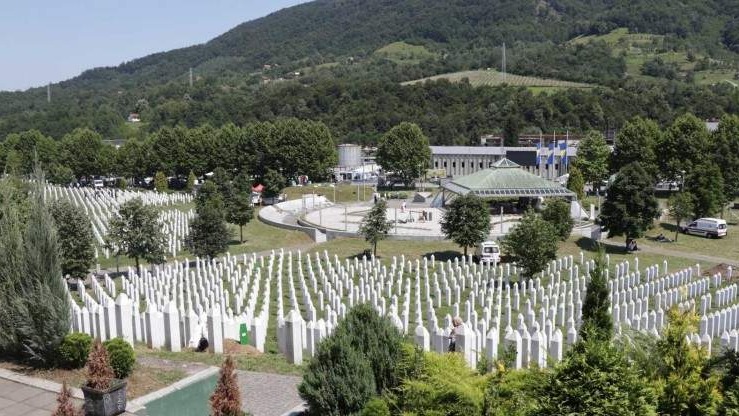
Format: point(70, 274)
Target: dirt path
point(674, 253)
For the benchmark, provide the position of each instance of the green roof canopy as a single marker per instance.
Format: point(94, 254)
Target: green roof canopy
point(506, 179)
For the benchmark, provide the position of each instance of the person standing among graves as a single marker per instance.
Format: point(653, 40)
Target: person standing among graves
point(456, 324)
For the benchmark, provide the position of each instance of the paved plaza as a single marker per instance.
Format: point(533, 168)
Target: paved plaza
point(408, 221)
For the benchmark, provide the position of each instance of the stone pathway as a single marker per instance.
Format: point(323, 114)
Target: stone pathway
point(264, 394)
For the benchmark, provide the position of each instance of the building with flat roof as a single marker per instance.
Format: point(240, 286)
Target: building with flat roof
point(549, 162)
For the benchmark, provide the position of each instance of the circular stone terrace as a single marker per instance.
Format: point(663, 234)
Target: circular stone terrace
point(343, 220)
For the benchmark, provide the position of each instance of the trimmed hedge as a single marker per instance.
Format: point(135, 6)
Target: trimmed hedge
point(74, 349)
point(122, 357)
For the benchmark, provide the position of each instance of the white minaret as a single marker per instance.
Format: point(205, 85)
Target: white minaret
point(190, 77)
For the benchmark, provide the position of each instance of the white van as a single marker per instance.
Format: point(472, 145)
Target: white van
point(488, 252)
point(707, 227)
point(97, 183)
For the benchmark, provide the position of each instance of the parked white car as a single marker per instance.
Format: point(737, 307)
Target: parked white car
point(707, 227)
point(487, 252)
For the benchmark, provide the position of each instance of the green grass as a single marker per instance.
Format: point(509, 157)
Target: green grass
point(575, 245)
point(267, 362)
point(258, 237)
point(726, 247)
point(405, 53)
point(341, 193)
point(491, 78)
point(638, 48)
point(386, 249)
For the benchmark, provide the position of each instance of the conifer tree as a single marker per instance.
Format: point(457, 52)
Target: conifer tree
point(226, 399)
point(375, 226)
point(596, 319)
point(66, 405)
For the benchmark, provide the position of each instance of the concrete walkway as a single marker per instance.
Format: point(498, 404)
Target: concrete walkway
point(262, 394)
point(27, 396)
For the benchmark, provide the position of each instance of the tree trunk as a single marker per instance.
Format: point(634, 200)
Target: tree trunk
point(138, 266)
point(241, 234)
point(465, 251)
point(374, 248)
point(677, 229)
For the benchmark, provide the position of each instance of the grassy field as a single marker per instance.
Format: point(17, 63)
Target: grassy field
point(492, 78)
point(638, 48)
point(726, 247)
point(258, 237)
point(339, 193)
point(405, 53)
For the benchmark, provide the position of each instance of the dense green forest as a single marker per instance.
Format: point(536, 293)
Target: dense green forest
point(318, 61)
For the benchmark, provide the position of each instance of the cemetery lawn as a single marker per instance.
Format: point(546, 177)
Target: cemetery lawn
point(145, 378)
point(386, 249)
point(344, 192)
point(258, 237)
point(726, 247)
point(267, 362)
point(576, 244)
point(443, 250)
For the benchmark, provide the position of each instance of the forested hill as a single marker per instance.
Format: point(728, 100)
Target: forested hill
point(342, 37)
point(323, 30)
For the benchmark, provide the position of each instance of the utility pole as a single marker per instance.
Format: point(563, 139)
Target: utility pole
point(48, 92)
point(503, 64)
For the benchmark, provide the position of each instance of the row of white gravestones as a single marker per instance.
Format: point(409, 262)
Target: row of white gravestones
point(541, 311)
point(183, 303)
point(334, 287)
point(101, 205)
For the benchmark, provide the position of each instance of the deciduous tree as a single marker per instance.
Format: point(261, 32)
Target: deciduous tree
point(466, 221)
point(404, 151)
point(684, 146)
point(135, 232)
point(239, 211)
point(557, 213)
point(531, 244)
point(592, 158)
point(726, 153)
point(636, 142)
point(706, 185)
point(630, 206)
point(680, 206)
point(209, 233)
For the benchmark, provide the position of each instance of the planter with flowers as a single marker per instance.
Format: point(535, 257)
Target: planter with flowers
point(104, 394)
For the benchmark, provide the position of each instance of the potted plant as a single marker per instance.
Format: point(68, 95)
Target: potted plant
point(104, 394)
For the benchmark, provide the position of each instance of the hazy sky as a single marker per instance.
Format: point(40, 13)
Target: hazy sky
point(45, 41)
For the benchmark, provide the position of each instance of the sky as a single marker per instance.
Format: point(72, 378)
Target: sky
point(44, 41)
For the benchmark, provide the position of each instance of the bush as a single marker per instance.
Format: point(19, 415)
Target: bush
point(122, 357)
point(338, 380)
point(448, 386)
point(377, 339)
point(376, 407)
point(74, 349)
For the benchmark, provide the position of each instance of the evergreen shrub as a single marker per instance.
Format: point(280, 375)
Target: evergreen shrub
point(74, 349)
point(122, 357)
